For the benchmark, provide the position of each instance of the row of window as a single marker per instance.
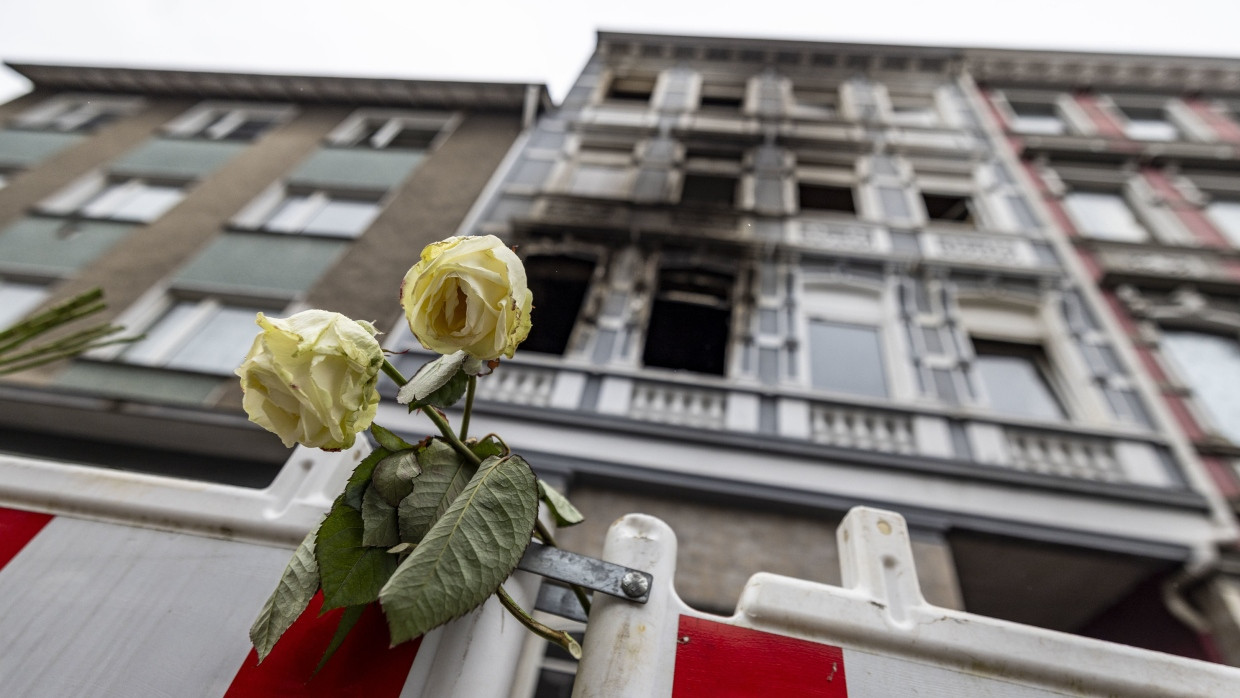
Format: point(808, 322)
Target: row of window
point(1126, 215)
point(1139, 117)
point(226, 121)
point(924, 102)
point(774, 181)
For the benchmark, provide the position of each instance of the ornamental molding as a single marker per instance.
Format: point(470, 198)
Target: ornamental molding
point(840, 237)
point(976, 249)
point(1157, 263)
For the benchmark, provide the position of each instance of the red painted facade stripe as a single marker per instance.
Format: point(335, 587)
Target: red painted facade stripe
point(17, 527)
point(1189, 214)
point(364, 665)
point(1224, 477)
point(1224, 128)
point(1106, 126)
point(716, 660)
point(1184, 416)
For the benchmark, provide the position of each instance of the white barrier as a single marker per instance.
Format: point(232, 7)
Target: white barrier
point(872, 638)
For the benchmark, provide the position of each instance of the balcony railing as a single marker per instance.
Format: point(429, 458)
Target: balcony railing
point(871, 430)
point(994, 444)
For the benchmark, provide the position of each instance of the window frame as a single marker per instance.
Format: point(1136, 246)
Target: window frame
point(80, 109)
point(158, 302)
point(350, 132)
point(258, 214)
point(71, 201)
point(216, 121)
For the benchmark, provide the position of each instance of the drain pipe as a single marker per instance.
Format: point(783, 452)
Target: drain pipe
point(1202, 565)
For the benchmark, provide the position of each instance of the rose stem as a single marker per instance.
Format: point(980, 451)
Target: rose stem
point(461, 448)
point(469, 406)
point(393, 373)
point(559, 637)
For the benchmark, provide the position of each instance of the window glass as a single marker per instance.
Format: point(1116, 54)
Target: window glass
point(347, 217)
point(1226, 215)
point(202, 336)
point(321, 214)
point(1149, 125)
point(709, 190)
point(161, 335)
point(1036, 119)
point(1015, 381)
point(17, 299)
point(218, 343)
point(1211, 365)
point(1104, 215)
point(846, 358)
point(599, 180)
point(132, 200)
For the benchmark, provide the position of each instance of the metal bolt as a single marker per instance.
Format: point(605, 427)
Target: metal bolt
point(634, 585)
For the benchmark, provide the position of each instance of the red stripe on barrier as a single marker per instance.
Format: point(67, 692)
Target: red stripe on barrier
point(364, 665)
point(716, 660)
point(17, 527)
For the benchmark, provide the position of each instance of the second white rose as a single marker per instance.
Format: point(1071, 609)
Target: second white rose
point(468, 293)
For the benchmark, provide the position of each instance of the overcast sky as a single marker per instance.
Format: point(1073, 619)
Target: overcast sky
point(548, 41)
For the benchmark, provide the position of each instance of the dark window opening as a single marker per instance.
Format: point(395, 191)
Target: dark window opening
point(709, 190)
point(818, 197)
point(407, 138)
point(631, 90)
point(559, 285)
point(722, 102)
point(690, 322)
point(947, 207)
point(1016, 379)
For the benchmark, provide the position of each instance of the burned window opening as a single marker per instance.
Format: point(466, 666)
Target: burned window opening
point(818, 197)
point(559, 284)
point(947, 207)
point(630, 90)
point(690, 321)
point(709, 190)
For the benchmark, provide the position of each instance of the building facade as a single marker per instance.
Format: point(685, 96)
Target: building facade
point(195, 200)
point(1134, 159)
point(773, 280)
point(777, 279)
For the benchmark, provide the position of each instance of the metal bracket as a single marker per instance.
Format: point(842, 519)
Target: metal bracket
point(573, 568)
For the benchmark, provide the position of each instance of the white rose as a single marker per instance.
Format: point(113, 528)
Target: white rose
point(310, 378)
point(468, 293)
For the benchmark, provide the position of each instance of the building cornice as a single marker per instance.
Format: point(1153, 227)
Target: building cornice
point(1026, 67)
point(390, 92)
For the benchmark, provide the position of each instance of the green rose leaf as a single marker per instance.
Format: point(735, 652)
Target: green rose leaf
point(293, 593)
point(440, 383)
point(487, 447)
point(378, 520)
point(394, 475)
point(350, 572)
point(444, 476)
point(348, 619)
point(360, 479)
point(387, 439)
point(562, 510)
point(467, 553)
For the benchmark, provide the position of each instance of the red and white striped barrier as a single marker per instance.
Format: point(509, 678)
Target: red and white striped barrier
point(875, 637)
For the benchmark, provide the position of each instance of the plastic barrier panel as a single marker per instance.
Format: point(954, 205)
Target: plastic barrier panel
point(120, 584)
point(875, 637)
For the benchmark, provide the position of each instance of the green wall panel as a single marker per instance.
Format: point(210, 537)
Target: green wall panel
point(25, 148)
point(257, 262)
point(356, 168)
point(179, 159)
point(55, 245)
point(139, 382)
